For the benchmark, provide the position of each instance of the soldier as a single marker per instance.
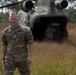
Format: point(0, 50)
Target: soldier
point(17, 45)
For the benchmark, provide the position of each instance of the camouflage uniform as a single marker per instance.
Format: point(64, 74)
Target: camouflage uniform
point(17, 50)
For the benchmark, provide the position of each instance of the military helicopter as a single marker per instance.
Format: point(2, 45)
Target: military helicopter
point(47, 20)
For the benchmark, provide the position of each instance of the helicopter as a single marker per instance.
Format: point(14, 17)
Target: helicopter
point(47, 20)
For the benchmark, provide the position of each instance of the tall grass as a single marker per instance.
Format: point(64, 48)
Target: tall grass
point(52, 59)
point(55, 68)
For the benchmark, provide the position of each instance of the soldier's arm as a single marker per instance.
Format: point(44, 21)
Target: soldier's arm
point(4, 45)
point(30, 42)
point(31, 47)
point(4, 50)
point(30, 52)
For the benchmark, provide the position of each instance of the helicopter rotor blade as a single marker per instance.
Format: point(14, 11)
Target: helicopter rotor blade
point(10, 4)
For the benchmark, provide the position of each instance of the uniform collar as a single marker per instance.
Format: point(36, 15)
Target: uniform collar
point(10, 29)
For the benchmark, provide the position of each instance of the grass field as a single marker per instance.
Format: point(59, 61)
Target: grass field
point(50, 58)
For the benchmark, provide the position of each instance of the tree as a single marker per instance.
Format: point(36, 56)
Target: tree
point(15, 7)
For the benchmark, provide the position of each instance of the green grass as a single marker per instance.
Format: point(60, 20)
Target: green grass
point(55, 68)
point(52, 59)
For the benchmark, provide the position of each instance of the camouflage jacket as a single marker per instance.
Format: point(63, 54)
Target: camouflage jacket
point(17, 41)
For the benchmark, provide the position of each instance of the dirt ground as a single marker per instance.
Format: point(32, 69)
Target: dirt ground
point(71, 28)
point(2, 27)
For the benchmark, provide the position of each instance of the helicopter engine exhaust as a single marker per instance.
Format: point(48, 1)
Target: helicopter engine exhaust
point(27, 5)
point(62, 4)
